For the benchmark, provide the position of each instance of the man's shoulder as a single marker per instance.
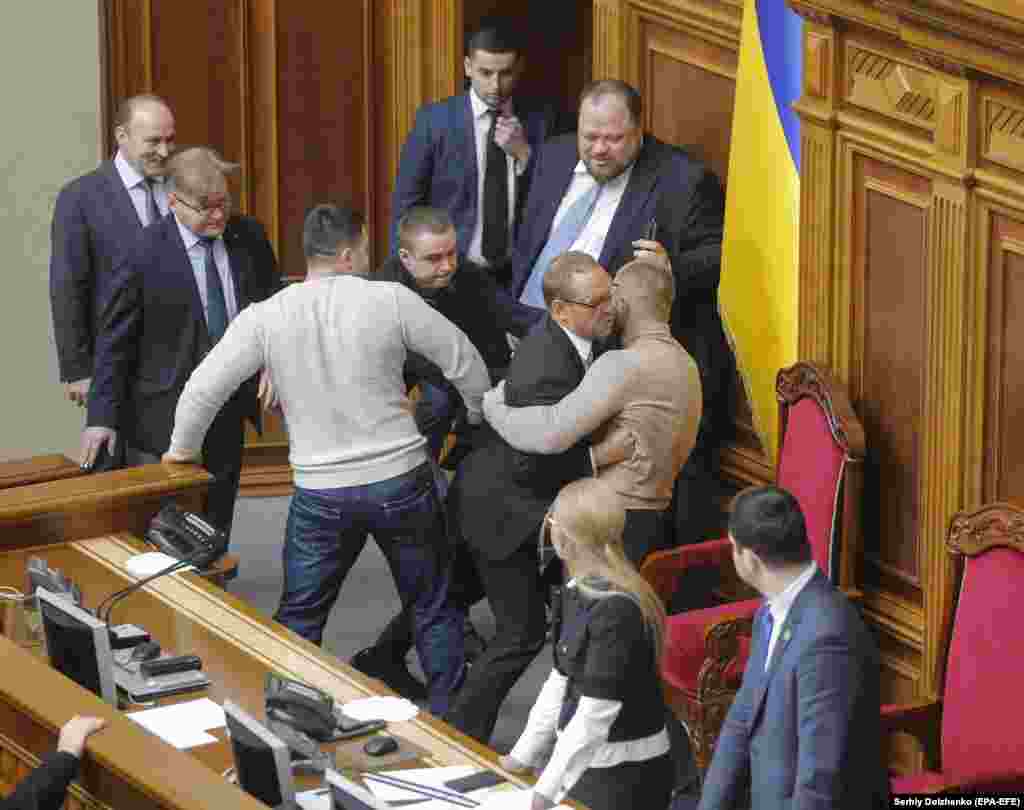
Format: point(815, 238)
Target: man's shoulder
point(87, 183)
point(562, 146)
point(667, 157)
point(242, 227)
point(443, 107)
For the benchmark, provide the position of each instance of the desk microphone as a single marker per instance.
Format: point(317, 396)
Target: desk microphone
point(202, 557)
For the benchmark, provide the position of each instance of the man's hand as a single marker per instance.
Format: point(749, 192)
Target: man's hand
point(93, 440)
point(174, 456)
point(78, 391)
point(648, 250)
point(512, 765)
point(266, 393)
point(614, 448)
point(74, 732)
point(511, 137)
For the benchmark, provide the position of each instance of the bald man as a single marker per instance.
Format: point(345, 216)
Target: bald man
point(641, 406)
point(96, 219)
point(173, 298)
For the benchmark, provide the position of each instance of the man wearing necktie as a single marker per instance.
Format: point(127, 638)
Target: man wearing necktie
point(97, 217)
point(803, 732)
point(172, 300)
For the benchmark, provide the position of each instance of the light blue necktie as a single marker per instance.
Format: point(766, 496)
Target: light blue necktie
point(560, 240)
point(216, 303)
point(765, 622)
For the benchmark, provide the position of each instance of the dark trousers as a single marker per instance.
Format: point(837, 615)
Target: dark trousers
point(516, 594)
point(646, 531)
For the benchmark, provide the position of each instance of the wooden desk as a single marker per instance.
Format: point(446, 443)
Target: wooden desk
point(238, 646)
point(36, 470)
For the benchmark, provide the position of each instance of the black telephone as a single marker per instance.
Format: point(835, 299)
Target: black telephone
point(311, 711)
point(182, 534)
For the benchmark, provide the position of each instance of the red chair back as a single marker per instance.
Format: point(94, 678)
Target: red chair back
point(983, 715)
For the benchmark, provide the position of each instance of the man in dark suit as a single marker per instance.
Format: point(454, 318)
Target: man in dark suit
point(803, 732)
point(466, 294)
point(500, 495)
point(619, 195)
point(473, 154)
point(185, 279)
point(96, 220)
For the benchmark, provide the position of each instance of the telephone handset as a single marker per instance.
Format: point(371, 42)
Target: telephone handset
point(182, 535)
point(311, 711)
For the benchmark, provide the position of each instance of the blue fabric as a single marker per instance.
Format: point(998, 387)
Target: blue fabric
point(561, 239)
point(781, 43)
point(764, 622)
point(435, 411)
point(327, 530)
point(216, 304)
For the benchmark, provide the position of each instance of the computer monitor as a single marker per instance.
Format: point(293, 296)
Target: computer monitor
point(347, 795)
point(262, 760)
point(78, 644)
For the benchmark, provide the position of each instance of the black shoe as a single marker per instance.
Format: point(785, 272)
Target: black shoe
point(475, 645)
point(376, 663)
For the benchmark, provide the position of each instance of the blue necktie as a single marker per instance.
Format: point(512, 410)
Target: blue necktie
point(765, 622)
point(152, 209)
point(216, 305)
point(560, 240)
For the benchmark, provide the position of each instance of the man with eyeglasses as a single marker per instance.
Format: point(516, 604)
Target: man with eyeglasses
point(172, 300)
point(500, 495)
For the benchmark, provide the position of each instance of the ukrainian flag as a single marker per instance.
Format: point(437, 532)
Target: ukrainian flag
point(760, 250)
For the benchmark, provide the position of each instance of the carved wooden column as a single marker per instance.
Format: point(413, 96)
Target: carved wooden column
point(609, 38)
point(912, 275)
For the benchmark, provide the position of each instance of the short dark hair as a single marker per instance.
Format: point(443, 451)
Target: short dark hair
point(126, 109)
point(495, 35)
point(420, 219)
point(768, 520)
point(568, 276)
point(630, 96)
point(329, 229)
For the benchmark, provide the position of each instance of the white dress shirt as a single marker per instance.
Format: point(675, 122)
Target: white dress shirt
point(136, 185)
point(197, 255)
point(591, 239)
point(481, 129)
point(780, 604)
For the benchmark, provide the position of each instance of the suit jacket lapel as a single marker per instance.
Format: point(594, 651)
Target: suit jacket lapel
point(121, 199)
point(467, 131)
point(239, 261)
point(562, 339)
point(642, 182)
point(789, 629)
point(186, 273)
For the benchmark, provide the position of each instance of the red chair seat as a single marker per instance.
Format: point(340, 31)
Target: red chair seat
point(917, 783)
point(684, 643)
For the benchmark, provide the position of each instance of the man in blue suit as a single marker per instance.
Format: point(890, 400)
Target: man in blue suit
point(618, 194)
point(96, 220)
point(172, 299)
point(803, 732)
point(473, 154)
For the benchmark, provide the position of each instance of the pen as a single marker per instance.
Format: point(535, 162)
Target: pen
point(652, 228)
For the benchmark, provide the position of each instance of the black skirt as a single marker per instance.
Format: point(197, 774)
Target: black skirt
point(647, 785)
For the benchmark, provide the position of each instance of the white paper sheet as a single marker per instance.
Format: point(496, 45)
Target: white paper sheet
point(183, 725)
point(144, 565)
point(437, 777)
point(319, 799)
point(391, 709)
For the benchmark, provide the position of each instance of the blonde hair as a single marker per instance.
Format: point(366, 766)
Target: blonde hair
point(588, 521)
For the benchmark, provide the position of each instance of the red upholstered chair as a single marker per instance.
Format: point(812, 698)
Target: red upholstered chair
point(820, 462)
point(982, 725)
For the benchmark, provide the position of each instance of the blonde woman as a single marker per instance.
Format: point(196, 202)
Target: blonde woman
point(601, 707)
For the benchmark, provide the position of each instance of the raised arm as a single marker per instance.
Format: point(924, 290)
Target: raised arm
point(554, 428)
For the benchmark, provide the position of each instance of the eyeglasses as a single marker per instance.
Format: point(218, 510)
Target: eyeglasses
point(206, 210)
point(584, 303)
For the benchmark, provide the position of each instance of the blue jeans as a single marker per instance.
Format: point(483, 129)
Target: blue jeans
point(435, 412)
point(327, 530)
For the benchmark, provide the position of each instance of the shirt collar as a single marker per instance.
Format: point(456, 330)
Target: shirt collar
point(478, 105)
point(581, 344)
point(129, 174)
point(780, 604)
point(188, 236)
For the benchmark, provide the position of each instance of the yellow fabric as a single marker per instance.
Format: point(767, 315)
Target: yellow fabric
point(760, 256)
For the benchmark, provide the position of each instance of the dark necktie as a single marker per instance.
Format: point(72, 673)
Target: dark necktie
point(216, 304)
point(494, 242)
point(764, 622)
point(152, 209)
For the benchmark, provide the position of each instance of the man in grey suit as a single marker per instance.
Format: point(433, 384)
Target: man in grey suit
point(96, 220)
point(803, 732)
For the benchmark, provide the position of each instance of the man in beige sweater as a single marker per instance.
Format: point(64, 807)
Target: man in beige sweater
point(641, 402)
